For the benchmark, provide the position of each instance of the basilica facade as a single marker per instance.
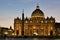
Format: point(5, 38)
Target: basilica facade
point(36, 25)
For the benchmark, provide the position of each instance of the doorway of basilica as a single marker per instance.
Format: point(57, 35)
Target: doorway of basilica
point(35, 32)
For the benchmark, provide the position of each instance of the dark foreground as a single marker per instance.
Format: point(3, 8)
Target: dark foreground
point(29, 39)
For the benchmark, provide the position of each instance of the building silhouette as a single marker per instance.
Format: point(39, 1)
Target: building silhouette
point(36, 25)
point(5, 32)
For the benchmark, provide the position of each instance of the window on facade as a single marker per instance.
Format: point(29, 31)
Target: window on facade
point(37, 21)
point(49, 33)
point(26, 21)
point(34, 27)
point(51, 28)
point(51, 21)
point(30, 21)
point(42, 28)
point(41, 21)
point(45, 21)
point(26, 27)
point(6, 33)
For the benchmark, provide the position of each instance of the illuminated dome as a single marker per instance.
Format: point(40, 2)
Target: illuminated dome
point(37, 13)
